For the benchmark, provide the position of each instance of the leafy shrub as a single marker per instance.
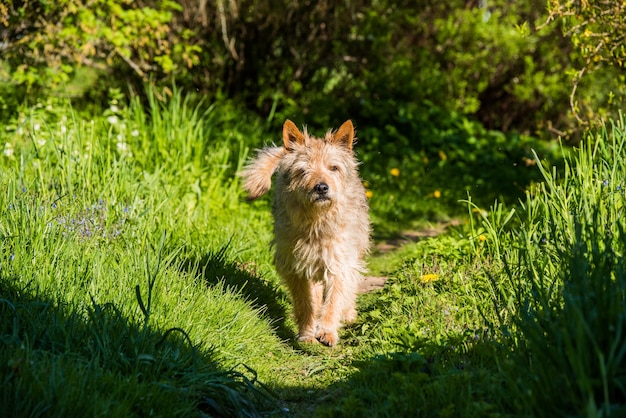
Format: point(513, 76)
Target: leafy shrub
point(489, 62)
point(46, 43)
point(597, 30)
point(314, 61)
point(444, 162)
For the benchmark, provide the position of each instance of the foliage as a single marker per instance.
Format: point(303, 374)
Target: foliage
point(489, 62)
point(264, 50)
point(377, 62)
point(454, 159)
point(45, 43)
point(597, 30)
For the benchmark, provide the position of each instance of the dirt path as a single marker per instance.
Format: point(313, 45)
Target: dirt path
point(374, 283)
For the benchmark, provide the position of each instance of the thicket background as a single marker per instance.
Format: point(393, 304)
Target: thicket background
point(455, 91)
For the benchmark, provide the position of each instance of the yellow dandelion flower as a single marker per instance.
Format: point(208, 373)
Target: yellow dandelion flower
point(482, 238)
point(369, 194)
point(436, 194)
point(442, 155)
point(427, 278)
point(394, 172)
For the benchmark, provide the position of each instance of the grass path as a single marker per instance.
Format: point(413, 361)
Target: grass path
point(386, 249)
point(312, 377)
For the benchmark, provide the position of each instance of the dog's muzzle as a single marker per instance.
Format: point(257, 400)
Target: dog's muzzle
point(320, 192)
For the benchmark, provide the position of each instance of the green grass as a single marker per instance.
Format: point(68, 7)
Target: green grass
point(110, 254)
point(564, 286)
point(135, 280)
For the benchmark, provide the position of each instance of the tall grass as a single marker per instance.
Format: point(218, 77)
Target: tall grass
point(563, 295)
point(105, 307)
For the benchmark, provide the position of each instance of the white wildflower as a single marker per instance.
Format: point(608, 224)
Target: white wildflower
point(122, 146)
point(8, 149)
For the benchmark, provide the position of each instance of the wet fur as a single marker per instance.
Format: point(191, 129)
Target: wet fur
point(321, 225)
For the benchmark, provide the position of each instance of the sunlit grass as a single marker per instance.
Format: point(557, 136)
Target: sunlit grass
point(560, 296)
point(108, 240)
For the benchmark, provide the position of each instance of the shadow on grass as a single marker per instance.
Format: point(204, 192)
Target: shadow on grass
point(58, 360)
point(215, 268)
point(386, 241)
point(410, 384)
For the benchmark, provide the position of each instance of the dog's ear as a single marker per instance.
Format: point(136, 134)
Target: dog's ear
point(291, 135)
point(344, 135)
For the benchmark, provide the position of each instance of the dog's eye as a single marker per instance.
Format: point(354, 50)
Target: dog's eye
point(298, 173)
point(334, 168)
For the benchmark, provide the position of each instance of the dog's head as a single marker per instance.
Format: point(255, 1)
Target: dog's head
point(317, 170)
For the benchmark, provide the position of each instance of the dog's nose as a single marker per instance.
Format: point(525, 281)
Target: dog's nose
point(321, 188)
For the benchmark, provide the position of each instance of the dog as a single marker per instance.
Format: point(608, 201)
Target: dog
point(321, 225)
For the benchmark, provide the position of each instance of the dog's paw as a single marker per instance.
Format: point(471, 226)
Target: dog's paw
point(307, 338)
point(349, 316)
point(328, 338)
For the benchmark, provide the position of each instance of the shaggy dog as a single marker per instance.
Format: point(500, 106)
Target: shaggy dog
point(321, 225)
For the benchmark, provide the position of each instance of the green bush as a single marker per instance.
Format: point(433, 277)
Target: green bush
point(453, 159)
point(47, 45)
point(597, 30)
point(316, 62)
point(488, 62)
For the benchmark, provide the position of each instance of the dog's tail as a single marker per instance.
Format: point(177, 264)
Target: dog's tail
point(257, 174)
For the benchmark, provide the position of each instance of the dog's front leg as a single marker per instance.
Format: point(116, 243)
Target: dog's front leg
point(306, 298)
point(332, 308)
